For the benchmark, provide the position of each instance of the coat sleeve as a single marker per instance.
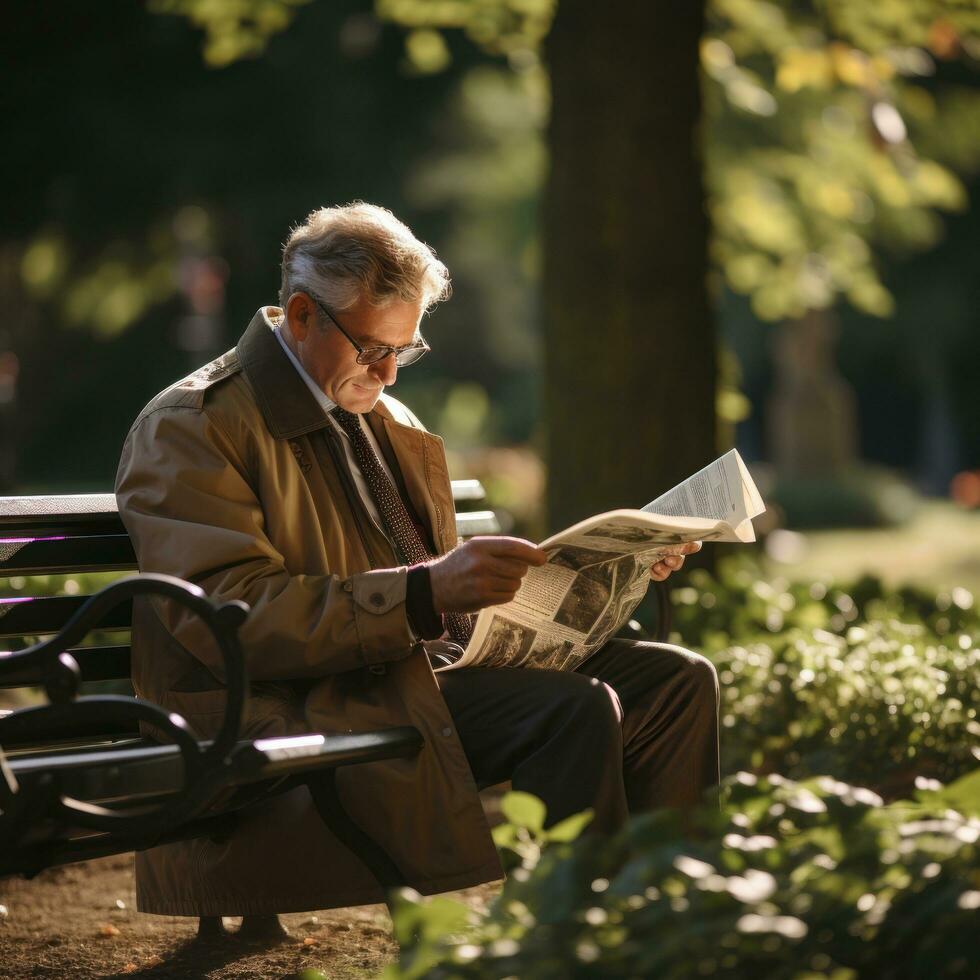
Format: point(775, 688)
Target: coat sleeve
point(184, 495)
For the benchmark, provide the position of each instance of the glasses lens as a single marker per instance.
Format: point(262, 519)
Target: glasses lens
point(371, 355)
point(403, 357)
point(410, 356)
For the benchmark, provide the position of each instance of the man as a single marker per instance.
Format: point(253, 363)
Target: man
point(282, 474)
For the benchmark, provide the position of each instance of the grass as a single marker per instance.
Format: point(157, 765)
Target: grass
point(939, 549)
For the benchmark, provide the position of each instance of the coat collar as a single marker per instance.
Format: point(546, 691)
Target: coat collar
point(287, 404)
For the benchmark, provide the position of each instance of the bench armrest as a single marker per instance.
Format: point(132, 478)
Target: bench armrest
point(202, 762)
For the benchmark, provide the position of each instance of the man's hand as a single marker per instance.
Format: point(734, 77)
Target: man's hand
point(662, 569)
point(481, 572)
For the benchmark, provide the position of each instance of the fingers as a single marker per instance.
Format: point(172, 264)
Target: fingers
point(505, 575)
point(505, 567)
point(660, 570)
point(690, 548)
point(482, 572)
point(516, 549)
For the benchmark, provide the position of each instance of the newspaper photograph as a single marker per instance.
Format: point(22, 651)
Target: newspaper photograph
point(598, 571)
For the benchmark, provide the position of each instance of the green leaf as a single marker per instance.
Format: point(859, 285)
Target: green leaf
point(504, 835)
point(964, 794)
point(570, 828)
point(524, 810)
point(443, 916)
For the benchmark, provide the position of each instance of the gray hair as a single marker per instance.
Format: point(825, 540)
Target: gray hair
point(343, 253)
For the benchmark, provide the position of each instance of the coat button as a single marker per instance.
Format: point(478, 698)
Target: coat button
point(447, 732)
point(377, 599)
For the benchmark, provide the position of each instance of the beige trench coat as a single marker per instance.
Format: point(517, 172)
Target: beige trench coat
point(232, 479)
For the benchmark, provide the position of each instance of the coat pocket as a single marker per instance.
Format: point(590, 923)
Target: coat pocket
point(271, 710)
point(202, 710)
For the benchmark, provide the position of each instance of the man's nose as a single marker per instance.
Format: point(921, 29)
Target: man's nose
point(385, 370)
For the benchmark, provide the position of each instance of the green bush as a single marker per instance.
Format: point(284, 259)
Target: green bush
point(797, 878)
point(741, 605)
point(870, 686)
point(785, 880)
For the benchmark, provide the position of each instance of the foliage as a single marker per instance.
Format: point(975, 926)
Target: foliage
point(818, 118)
point(106, 292)
point(871, 685)
point(814, 879)
point(516, 28)
point(237, 29)
point(484, 163)
point(174, 169)
point(234, 29)
point(825, 135)
point(739, 605)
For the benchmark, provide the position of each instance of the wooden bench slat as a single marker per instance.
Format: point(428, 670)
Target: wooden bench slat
point(468, 491)
point(105, 774)
point(477, 522)
point(86, 513)
point(15, 741)
point(131, 771)
point(97, 663)
point(60, 554)
point(97, 513)
point(34, 616)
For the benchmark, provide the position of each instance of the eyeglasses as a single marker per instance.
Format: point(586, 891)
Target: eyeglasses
point(404, 356)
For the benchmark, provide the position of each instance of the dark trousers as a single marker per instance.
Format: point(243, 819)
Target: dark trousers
point(635, 728)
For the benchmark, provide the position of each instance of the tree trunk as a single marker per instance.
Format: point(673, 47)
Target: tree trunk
point(629, 338)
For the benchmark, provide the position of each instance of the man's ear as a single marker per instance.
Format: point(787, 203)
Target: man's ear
point(300, 313)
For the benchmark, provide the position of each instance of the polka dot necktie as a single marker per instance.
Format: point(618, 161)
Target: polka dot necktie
point(403, 531)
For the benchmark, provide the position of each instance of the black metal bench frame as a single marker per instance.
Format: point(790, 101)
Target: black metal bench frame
point(78, 781)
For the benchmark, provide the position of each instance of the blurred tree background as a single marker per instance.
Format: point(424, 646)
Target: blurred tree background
point(160, 155)
point(672, 227)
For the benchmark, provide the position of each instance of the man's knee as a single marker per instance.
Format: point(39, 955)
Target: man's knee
point(696, 673)
point(587, 701)
point(702, 677)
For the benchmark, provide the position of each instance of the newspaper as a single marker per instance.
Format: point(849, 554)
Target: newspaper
point(598, 571)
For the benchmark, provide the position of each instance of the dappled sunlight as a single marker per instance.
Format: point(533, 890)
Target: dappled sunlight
point(939, 547)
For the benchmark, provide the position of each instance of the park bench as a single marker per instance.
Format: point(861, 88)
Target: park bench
point(77, 779)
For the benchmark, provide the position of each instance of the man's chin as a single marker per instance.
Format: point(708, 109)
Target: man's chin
point(360, 400)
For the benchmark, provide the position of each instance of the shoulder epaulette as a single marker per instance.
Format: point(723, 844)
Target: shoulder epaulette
point(210, 374)
point(190, 392)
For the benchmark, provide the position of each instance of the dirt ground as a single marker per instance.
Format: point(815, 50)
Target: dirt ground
point(79, 922)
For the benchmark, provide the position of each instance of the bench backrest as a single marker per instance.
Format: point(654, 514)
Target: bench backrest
point(64, 535)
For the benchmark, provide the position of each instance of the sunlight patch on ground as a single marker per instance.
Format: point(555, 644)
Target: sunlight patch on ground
point(938, 548)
